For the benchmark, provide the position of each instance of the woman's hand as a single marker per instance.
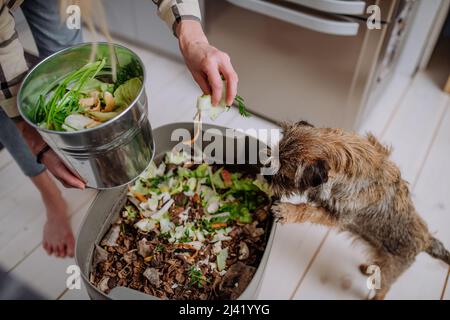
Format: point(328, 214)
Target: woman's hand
point(50, 159)
point(59, 170)
point(206, 63)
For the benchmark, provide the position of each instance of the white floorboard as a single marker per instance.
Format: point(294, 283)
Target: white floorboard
point(426, 278)
point(385, 109)
point(23, 216)
point(47, 274)
point(411, 132)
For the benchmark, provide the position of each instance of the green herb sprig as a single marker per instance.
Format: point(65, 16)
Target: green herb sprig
point(241, 106)
point(196, 277)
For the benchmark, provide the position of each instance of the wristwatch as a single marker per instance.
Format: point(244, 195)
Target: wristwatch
point(41, 153)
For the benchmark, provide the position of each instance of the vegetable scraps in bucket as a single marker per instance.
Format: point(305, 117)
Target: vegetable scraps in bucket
point(86, 98)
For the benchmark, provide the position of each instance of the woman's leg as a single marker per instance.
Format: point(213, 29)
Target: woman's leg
point(49, 32)
point(58, 237)
point(13, 141)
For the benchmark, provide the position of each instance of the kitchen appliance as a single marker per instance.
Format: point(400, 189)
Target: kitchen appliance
point(108, 204)
point(111, 154)
point(315, 60)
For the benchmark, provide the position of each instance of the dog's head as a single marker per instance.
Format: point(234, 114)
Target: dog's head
point(302, 160)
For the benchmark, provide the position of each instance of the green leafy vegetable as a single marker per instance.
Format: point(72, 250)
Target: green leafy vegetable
point(102, 116)
point(263, 186)
point(216, 179)
point(131, 70)
point(245, 216)
point(131, 212)
point(127, 92)
point(222, 259)
point(244, 184)
point(196, 277)
point(95, 84)
point(201, 171)
point(63, 100)
point(83, 92)
point(184, 172)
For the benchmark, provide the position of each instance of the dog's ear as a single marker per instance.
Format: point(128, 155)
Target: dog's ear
point(315, 174)
point(287, 126)
point(304, 124)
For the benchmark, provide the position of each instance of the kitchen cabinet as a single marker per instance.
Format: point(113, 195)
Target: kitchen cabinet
point(137, 21)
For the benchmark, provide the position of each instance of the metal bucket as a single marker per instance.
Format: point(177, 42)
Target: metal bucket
point(108, 204)
point(111, 154)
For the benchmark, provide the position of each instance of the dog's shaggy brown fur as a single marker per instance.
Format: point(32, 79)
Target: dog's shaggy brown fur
point(351, 184)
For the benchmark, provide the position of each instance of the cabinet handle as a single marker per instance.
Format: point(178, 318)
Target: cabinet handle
point(334, 6)
point(296, 17)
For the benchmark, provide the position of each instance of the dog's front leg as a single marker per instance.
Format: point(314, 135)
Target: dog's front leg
point(303, 212)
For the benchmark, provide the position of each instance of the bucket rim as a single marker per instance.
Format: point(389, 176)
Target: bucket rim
point(103, 125)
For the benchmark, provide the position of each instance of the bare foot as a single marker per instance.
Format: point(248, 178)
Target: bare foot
point(58, 237)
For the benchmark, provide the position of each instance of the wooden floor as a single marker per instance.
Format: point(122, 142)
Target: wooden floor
point(306, 262)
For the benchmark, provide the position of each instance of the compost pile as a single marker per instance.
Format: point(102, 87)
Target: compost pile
point(186, 232)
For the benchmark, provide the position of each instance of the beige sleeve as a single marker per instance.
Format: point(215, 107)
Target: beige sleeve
point(12, 61)
point(173, 11)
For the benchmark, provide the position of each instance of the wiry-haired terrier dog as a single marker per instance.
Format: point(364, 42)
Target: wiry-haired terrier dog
point(352, 185)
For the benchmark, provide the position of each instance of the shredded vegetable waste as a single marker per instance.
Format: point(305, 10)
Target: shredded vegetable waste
point(187, 232)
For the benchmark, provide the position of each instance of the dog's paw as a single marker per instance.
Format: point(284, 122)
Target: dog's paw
point(283, 212)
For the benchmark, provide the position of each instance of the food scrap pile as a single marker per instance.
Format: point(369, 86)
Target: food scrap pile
point(186, 232)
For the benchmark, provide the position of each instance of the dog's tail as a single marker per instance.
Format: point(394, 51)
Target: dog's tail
point(437, 250)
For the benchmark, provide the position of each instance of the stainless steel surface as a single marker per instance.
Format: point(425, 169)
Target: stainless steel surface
point(108, 204)
point(323, 78)
point(109, 155)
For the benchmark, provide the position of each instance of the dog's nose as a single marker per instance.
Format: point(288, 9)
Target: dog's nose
point(269, 178)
